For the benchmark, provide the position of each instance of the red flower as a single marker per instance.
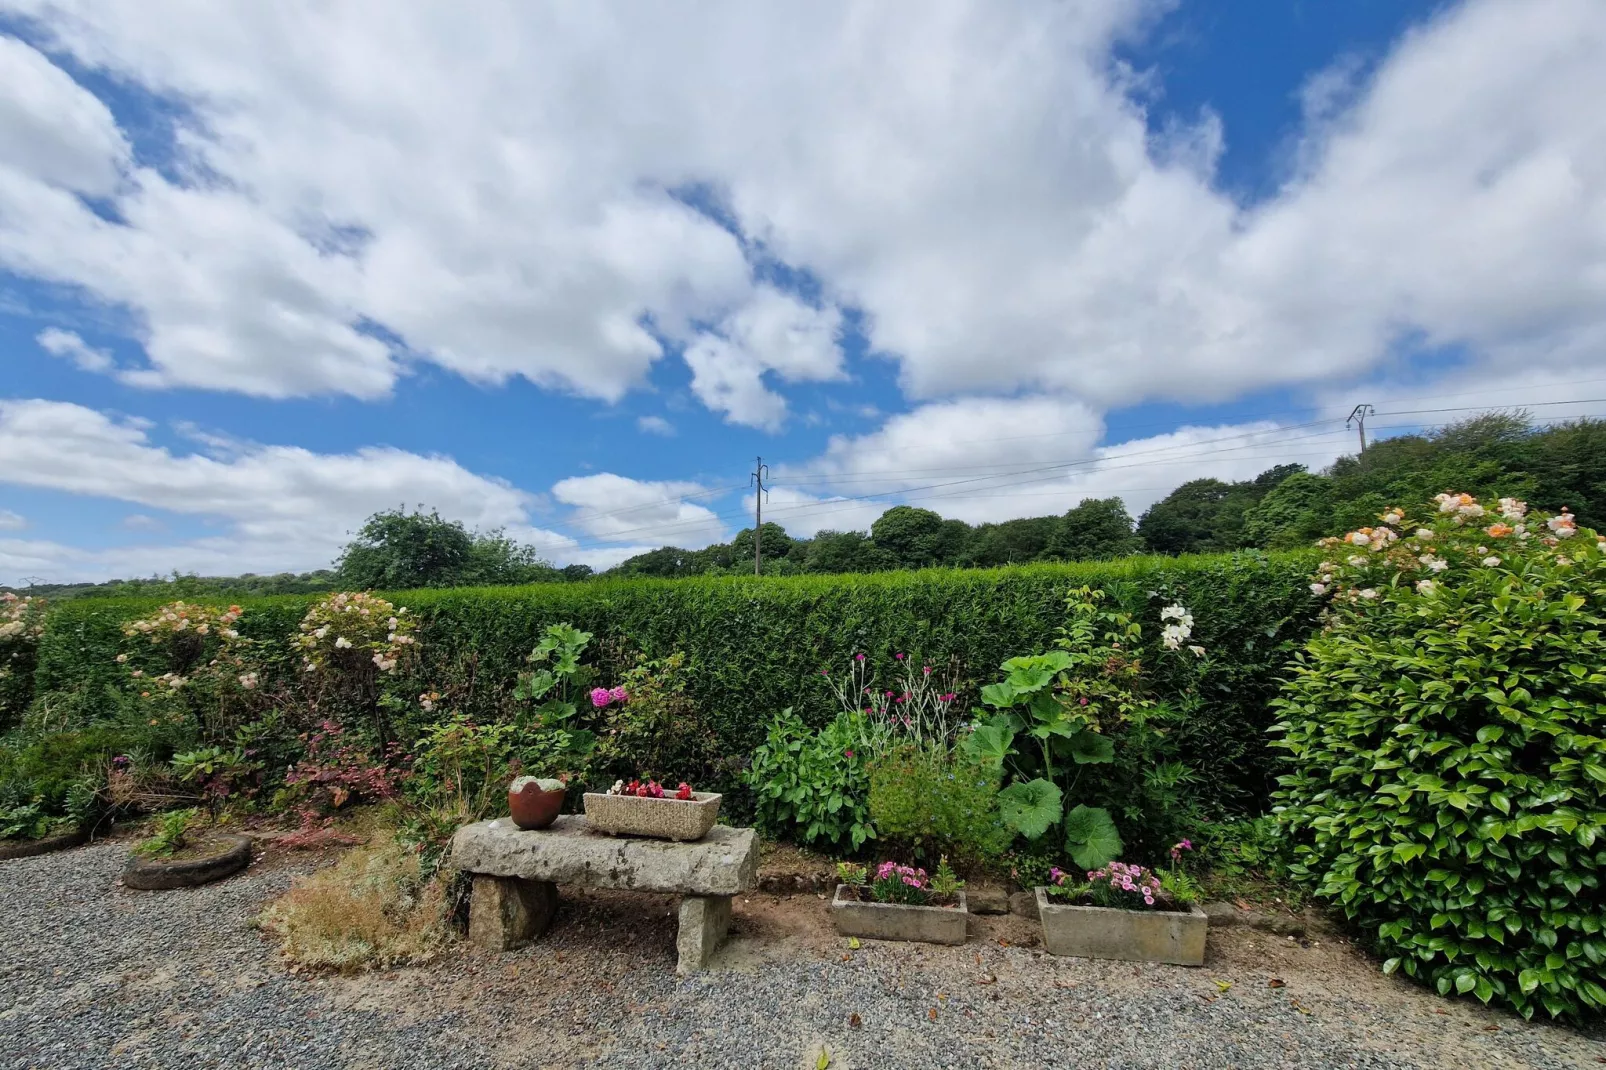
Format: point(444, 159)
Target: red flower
point(684, 792)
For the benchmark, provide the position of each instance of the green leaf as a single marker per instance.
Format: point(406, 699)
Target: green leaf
point(999, 696)
point(989, 744)
point(1036, 672)
point(1091, 837)
point(1091, 748)
point(1030, 807)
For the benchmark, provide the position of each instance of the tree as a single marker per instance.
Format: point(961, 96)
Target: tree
point(775, 543)
point(909, 535)
point(396, 550)
point(1096, 530)
point(1013, 542)
point(1294, 513)
point(846, 551)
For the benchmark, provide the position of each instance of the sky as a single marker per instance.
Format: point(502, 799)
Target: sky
point(569, 270)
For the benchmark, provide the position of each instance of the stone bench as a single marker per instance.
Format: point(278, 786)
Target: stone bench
point(516, 874)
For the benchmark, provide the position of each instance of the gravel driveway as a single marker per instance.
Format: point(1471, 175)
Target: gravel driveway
point(95, 976)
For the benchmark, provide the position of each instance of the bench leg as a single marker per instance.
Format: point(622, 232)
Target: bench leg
point(704, 921)
point(507, 912)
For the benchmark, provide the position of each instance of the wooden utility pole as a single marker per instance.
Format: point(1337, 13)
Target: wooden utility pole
point(760, 473)
point(1358, 417)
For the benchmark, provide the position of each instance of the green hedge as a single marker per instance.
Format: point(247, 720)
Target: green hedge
point(755, 646)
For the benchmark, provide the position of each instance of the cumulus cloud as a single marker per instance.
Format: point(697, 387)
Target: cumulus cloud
point(616, 508)
point(981, 181)
point(978, 460)
point(10, 521)
point(774, 332)
point(69, 346)
point(284, 507)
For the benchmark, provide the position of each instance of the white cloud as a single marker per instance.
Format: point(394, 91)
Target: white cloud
point(981, 181)
point(69, 346)
point(655, 425)
point(284, 507)
point(774, 332)
point(982, 459)
point(52, 130)
point(616, 508)
point(10, 521)
point(142, 522)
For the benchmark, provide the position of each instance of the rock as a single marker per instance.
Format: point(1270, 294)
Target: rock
point(1024, 904)
point(508, 913)
point(723, 863)
point(987, 899)
point(704, 921)
point(1222, 915)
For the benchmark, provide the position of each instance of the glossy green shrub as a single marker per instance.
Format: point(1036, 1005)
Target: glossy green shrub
point(1445, 730)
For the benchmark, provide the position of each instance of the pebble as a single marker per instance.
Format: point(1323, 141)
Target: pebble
point(92, 975)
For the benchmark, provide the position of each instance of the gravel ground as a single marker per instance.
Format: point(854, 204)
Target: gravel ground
point(92, 975)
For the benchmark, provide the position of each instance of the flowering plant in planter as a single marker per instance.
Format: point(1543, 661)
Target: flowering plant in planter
point(650, 789)
point(900, 884)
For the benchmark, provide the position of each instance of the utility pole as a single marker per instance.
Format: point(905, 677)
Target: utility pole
point(1358, 417)
point(761, 472)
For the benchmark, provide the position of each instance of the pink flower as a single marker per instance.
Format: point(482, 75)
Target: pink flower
point(619, 694)
point(848, 752)
point(898, 656)
point(858, 657)
point(928, 670)
point(600, 697)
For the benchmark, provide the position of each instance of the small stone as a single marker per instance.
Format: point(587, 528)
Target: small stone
point(1023, 904)
point(987, 899)
point(1222, 914)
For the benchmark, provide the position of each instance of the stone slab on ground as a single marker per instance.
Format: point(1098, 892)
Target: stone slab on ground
point(987, 899)
point(723, 863)
point(1024, 904)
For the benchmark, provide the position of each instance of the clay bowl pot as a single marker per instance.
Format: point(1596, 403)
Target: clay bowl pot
point(533, 808)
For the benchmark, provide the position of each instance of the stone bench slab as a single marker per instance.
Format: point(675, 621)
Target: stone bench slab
point(723, 863)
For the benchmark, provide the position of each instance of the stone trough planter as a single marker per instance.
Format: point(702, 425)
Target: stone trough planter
point(1172, 936)
point(156, 874)
point(684, 820)
point(47, 845)
point(897, 921)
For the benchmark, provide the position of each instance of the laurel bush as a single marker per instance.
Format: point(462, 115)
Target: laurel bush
point(1445, 730)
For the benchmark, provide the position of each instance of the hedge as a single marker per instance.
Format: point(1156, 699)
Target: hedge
point(757, 645)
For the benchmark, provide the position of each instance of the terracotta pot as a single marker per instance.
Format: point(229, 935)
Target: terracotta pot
point(533, 808)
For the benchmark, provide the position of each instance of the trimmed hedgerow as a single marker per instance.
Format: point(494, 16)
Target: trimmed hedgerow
point(1447, 731)
point(753, 647)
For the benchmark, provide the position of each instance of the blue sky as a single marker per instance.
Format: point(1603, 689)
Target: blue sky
point(568, 272)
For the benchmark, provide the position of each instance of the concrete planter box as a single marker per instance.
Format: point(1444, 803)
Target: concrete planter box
point(1170, 936)
point(896, 921)
point(664, 819)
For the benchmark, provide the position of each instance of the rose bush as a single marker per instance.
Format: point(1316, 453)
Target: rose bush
point(1448, 767)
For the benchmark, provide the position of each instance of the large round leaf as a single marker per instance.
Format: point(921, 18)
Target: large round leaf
point(1091, 748)
point(1091, 837)
point(1030, 807)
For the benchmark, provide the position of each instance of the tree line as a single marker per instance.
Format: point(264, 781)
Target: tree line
point(1286, 506)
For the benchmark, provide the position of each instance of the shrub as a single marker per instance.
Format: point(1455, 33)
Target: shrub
point(813, 786)
point(22, 622)
point(751, 647)
point(936, 803)
point(371, 908)
point(1448, 767)
point(658, 730)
